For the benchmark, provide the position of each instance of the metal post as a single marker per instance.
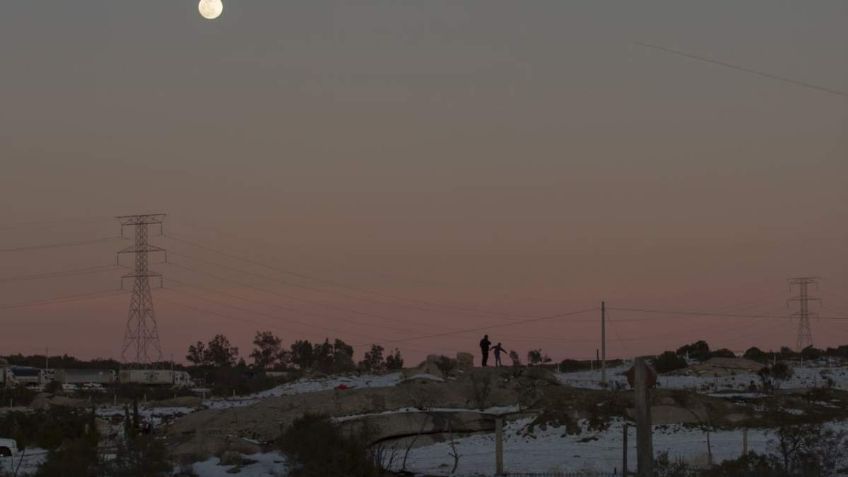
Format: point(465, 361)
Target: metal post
point(603, 343)
point(499, 469)
point(644, 444)
point(624, 451)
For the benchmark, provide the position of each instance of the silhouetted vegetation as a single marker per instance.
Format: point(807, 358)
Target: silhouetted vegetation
point(317, 448)
point(46, 429)
point(697, 351)
point(535, 357)
point(669, 361)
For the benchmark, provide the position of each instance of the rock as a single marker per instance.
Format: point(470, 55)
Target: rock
point(230, 458)
point(45, 401)
point(464, 361)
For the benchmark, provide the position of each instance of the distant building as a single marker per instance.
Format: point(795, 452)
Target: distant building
point(85, 376)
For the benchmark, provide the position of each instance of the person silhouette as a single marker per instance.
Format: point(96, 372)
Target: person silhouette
point(484, 349)
point(498, 350)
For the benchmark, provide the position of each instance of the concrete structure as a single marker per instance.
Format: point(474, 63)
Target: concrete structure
point(8, 447)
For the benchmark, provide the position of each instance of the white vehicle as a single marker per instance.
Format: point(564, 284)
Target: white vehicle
point(155, 377)
point(70, 388)
point(8, 447)
point(93, 387)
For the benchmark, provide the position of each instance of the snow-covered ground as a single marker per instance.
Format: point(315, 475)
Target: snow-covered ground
point(495, 410)
point(272, 464)
point(310, 385)
point(29, 461)
point(152, 414)
point(552, 450)
point(802, 377)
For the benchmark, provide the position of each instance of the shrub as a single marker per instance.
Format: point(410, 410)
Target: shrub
point(140, 455)
point(394, 360)
point(755, 354)
point(572, 365)
point(669, 361)
point(811, 354)
point(46, 429)
point(722, 353)
point(317, 448)
point(752, 464)
point(781, 371)
point(446, 365)
point(536, 357)
point(699, 351)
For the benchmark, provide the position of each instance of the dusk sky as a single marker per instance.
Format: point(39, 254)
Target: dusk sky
point(383, 171)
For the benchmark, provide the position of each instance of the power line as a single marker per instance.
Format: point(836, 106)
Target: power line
point(64, 299)
point(709, 314)
point(289, 297)
point(49, 223)
point(296, 285)
point(743, 69)
point(59, 274)
point(485, 328)
point(28, 248)
point(239, 319)
point(419, 304)
point(283, 307)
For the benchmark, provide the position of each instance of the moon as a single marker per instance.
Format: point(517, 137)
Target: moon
point(210, 9)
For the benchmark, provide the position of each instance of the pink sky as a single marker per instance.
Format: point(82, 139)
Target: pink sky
point(520, 159)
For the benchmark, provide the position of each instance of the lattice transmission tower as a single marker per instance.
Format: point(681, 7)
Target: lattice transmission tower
point(805, 333)
point(141, 339)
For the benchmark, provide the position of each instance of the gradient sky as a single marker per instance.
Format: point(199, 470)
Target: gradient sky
point(519, 158)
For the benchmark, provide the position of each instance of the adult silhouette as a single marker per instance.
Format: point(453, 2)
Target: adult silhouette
point(484, 349)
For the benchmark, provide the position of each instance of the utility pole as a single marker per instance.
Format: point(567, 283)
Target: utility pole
point(805, 333)
point(603, 343)
point(141, 339)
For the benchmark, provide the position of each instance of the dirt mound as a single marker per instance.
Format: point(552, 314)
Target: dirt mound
point(209, 430)
point(45, 401)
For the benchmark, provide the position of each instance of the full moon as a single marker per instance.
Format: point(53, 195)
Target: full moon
point(210, 9)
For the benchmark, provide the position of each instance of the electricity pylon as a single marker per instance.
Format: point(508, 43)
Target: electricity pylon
point(141, 339)
point(805, 333)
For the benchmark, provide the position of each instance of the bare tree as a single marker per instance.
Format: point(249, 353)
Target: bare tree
point(426, 417)
point(453, 451)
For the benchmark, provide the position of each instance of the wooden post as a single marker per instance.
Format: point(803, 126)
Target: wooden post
point(744, 442)
point(644, 444)
point(624, 451)
point(603, 343)
point(499, 468)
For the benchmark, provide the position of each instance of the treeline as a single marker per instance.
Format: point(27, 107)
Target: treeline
point(700, 351)
point(269, 354)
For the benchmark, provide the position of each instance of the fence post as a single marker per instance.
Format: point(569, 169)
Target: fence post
point(745, 442)
point(624, 451)
point(644, 444)
point(499, 446)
